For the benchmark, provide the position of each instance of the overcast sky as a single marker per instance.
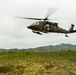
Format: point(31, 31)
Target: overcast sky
point(14, 32)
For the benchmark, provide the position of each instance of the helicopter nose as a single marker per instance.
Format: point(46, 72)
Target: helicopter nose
point(31, 27)
point(28, 27)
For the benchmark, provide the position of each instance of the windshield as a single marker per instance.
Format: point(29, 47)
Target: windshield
point(35, 23)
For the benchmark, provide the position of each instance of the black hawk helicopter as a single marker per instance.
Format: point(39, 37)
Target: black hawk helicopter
point(45, 26)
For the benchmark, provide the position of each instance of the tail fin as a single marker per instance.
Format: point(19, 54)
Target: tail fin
point(72, 27)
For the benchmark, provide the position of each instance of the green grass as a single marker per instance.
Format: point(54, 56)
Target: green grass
point(38, 63)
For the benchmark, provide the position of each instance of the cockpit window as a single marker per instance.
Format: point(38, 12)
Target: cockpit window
point(35, 23)
point(47, 25)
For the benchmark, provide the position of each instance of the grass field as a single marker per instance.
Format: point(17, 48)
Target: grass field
point(38, 63)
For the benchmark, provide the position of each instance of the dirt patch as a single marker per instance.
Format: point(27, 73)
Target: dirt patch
point(5, 69)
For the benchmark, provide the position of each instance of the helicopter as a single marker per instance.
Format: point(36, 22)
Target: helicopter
point(45, 26)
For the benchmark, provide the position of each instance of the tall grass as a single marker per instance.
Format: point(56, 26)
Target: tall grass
point(38, 63)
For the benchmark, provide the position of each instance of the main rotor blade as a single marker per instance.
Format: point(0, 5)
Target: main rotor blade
point(51, 11)
point(46, 18)
point(30, 18)
point(64, 19)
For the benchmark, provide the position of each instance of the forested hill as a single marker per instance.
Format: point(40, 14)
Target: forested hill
point(60, 47)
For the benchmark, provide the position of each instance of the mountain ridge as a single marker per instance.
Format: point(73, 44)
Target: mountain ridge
point(60, 47)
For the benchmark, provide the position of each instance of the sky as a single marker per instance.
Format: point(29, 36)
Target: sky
point(14, 32)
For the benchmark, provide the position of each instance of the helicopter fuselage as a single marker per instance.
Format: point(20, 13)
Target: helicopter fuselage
point(47, 27)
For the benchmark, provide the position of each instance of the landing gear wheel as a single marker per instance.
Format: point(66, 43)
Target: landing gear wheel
point(66, 35)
